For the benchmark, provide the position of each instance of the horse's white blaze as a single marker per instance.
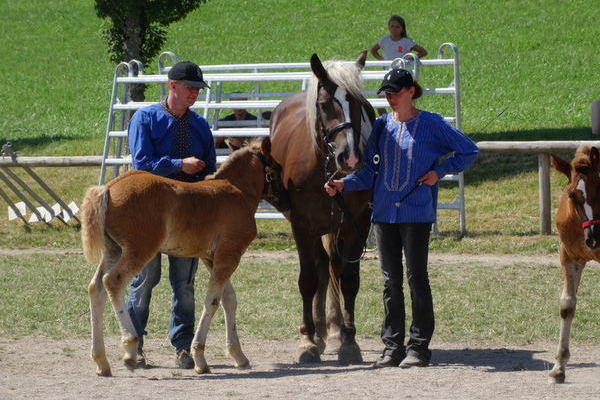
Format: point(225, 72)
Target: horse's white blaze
point(341, 96)
point(586, 207)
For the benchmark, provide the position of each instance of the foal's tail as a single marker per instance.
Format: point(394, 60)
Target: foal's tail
point(93, 215)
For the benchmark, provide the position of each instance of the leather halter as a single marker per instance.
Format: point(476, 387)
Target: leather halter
point(588, 224)
point(272, 171)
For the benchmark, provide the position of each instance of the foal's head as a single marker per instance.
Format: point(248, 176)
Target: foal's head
point(335, 100)
point(583, 190)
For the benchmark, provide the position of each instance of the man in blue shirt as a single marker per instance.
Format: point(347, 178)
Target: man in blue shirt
point(170, 140)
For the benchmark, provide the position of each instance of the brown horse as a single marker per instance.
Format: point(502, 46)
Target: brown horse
point(136, 215)
point(578, 224)
point(316, 134)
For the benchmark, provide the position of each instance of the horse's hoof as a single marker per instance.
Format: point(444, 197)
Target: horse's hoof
point(334, 343)
point(245, 365)
point(556, 377)
point(309, 356)
point(350, 354)
point(202, 370)
point(320, 344)
point(103, 372)
point(130, 364)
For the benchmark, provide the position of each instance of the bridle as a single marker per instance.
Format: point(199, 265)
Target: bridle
point(590, 223)
point(328, 134)
point(272, 170)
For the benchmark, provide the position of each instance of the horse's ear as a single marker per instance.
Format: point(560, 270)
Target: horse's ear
point(595, 159)
point(265, 146)
point(318, 69)
point(561, 166)
point(362, 58)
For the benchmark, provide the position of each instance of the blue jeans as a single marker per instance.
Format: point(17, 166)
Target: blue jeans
point(182, 273)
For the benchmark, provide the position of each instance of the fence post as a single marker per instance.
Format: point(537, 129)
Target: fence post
point(544, 182)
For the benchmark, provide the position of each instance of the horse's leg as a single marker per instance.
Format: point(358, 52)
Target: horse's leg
point(568, 301)
point(348, 266)
point(97, 295)
point(349, 352)
point(308, 281)
point(115, 281)
point(221, 269)
point(229, 303)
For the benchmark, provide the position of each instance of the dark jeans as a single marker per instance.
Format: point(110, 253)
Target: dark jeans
point(182, 273)
point(413, 240)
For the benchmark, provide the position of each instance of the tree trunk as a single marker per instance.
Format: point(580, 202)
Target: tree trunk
point(134, 37)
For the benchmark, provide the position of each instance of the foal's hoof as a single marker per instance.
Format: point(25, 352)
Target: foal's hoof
point(243, 366)
point(103, 372)
point(556, 377)
point(309, 355)
point(350, 354)
point(202, 370)
point(130, 363)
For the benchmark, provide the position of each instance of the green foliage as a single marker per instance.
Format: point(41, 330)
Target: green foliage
point(146, 19)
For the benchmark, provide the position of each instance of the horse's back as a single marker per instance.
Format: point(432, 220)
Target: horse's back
point(181, 216)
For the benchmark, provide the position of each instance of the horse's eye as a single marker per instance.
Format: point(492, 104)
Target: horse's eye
point(576, 196)
point(583, 169)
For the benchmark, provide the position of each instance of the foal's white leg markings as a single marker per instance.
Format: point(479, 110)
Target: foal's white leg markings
point(128, 332)
point(211, 304)
point(98, 296)
point(229, 303)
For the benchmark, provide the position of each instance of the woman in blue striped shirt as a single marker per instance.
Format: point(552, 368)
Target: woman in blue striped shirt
point(402, 167)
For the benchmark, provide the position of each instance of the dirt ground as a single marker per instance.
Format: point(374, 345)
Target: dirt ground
point(32, 368)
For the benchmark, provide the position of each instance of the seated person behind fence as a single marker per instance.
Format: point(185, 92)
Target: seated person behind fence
point(239, 114)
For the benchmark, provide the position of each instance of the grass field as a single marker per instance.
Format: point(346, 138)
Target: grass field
point(534, 60)
point(492, 304)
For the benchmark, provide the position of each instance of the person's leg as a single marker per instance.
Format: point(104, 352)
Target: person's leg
point(182, 273)
point(140, 294)
point(416, 241)
point(390, 246)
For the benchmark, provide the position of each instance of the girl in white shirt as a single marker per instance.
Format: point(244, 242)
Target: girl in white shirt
point(397, 43)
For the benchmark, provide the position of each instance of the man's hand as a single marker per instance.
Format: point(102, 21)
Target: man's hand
point(192, 165)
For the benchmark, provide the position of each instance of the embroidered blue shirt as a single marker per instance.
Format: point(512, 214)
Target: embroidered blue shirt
point(158, 142)
point(397, 154)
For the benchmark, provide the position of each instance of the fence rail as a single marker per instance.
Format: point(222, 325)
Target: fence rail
point(541, 148)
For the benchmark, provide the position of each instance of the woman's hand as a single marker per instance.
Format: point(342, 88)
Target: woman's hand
point(429, 178)
point(333, 187)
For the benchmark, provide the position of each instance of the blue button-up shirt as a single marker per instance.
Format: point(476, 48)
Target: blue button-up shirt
point(397, 154)
point(157, 145)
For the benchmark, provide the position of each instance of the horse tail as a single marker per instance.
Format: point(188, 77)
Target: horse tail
point(93, 216)
point(334, 284)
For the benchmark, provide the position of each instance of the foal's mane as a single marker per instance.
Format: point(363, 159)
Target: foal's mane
point(344, 74)
point(230, 164)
